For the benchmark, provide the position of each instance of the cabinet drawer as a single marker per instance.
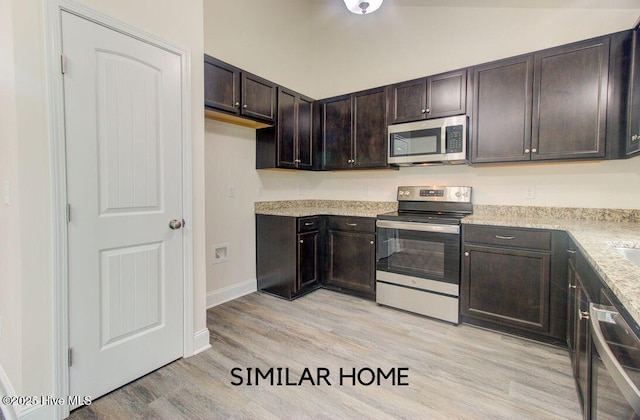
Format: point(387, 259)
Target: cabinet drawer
point(360, 224)
point(517, 238)
point(308, 224)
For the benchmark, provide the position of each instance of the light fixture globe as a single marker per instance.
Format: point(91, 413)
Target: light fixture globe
point(362, 7)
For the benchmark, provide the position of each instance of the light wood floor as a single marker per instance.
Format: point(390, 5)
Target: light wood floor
point(454, 372)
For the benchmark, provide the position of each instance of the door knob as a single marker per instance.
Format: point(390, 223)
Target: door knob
point(176, 224)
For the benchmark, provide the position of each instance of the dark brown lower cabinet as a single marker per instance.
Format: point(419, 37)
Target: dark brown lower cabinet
point(510, 281)
point(288, 254)
point(295, 255)
point(351, 255)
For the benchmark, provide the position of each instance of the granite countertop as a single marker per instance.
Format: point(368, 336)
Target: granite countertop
point(303, 208)
point(595, 232)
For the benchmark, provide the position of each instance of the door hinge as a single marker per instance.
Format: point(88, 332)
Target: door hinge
point(68, 213)
point(63, 63)
point(70, 357)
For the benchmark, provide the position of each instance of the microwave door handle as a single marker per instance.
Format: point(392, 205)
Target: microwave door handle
point(619, 376)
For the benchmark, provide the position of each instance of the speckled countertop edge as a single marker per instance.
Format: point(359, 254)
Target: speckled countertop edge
point(303, 208)
point(595, 236)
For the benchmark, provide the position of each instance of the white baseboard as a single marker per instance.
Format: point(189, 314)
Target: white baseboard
point(201, 341)
point(220, 296)
point(38, 412)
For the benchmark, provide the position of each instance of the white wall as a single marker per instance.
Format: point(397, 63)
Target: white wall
point(26, 281)
point(10, 275)
point(319, 49)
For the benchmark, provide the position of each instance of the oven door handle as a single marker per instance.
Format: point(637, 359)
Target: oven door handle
point(418, 226)
point(619, 376)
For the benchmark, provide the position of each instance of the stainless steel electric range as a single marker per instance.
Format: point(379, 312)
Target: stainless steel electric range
point(418, 251)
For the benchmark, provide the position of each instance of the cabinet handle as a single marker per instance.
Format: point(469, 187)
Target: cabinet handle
point(526, 150)
point(571, 251)
point(466, 254)
point(351, 224)
point(309, 223)
point(301, 241)
point(508, 238)
point(573, 286)
point(534, 150)
point(583, 315)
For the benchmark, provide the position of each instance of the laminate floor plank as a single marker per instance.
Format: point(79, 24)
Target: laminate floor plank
point(454, 372)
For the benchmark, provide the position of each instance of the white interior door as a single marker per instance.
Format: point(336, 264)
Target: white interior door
point(124, 182)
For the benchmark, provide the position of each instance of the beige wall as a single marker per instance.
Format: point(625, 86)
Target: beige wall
point(26, 280)
point(319, 49)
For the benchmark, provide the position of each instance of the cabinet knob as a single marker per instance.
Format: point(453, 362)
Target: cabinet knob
point(526, 150)
point(424, 111)
point(534, 150)
point(428, 111)
point(583, 315)
point(572, 286)
point(301, 241)
point(237, 103)
point(371, 242)
point(244, 106)
point(466, 254)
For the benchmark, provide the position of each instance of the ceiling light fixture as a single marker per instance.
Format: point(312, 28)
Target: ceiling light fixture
point(362, 7)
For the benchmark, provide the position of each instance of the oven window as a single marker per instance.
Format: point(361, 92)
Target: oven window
point(419, 142)
point(419, 254)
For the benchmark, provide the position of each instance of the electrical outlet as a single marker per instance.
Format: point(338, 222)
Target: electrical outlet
point(530, 192)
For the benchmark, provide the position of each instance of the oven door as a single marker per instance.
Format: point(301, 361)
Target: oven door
point(615, 365)
point(423, 250)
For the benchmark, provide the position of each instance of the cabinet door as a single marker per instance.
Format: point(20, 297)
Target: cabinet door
point(308, 252)
point(506, 286)
point(571, 307)
point(447, 94)
point(351, 260)
point(370, 129)
point(581, 351)
point(408, 101)
point(633, 138)
point(305, 133)
point(286, 129)
point(258, 98)
point(336, 132)
point(570, 101)
point(221, 85)
point(501, 124)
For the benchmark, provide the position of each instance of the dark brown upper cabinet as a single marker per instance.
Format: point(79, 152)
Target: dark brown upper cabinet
point(289, 144)
point(632, 138)
point(235, 92)
point(354, 130)
point(550, 105)
point(570, 101)
point(501, 117)
point(436, 96)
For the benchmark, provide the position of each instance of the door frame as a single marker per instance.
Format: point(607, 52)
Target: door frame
point(60, 254)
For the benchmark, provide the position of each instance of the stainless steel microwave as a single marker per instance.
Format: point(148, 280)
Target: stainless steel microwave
point(441, 140)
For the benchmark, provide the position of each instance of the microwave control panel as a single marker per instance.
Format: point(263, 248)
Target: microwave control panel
point(454, 138)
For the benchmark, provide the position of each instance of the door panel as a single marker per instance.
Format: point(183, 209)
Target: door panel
point(124, 184)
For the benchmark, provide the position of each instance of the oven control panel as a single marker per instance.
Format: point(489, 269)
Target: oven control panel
point(435, 193)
